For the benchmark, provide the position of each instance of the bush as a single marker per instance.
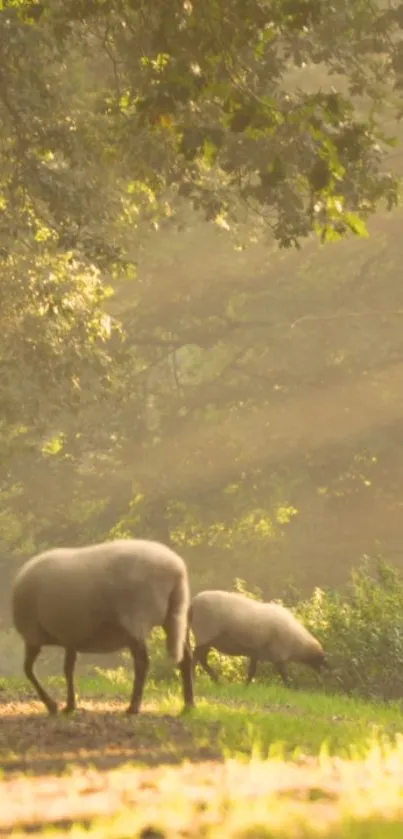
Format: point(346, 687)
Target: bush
point(362, 631)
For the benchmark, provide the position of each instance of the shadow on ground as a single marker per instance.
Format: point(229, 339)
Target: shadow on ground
point(100, 735)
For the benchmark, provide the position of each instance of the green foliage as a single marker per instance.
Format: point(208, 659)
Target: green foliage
point(240, 587)
point(206, 94)
point(54, 336)
point(154, 381)
point(362, 631)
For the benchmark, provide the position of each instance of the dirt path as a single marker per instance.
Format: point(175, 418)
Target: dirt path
point(99, 735)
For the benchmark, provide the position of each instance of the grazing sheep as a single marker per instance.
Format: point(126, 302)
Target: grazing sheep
point(237, 625)
point(100, 599)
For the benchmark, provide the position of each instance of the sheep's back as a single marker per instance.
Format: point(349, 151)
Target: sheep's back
point(244, 626)
point(141, 590)
point(56, 598)
point(69, 594)
point(230, 615)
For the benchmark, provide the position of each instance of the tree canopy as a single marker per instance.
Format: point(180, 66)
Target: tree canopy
point(156, 378)
point(108, 102)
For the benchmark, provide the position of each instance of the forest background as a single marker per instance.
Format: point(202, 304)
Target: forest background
point(198, 341)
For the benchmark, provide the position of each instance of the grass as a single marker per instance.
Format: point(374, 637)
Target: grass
point(249, 762)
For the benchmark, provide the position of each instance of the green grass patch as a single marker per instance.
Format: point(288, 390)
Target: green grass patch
point(260, 720)
point(245, 721)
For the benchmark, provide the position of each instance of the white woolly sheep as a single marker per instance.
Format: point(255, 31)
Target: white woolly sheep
point(100, 599)
point(237, 625)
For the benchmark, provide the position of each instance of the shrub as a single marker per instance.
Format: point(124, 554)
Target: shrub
point(362, 631)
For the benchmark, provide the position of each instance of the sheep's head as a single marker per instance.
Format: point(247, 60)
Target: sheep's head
point(316, 658)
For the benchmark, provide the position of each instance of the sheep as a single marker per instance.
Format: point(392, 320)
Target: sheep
point(237, 625)
point(99, 599)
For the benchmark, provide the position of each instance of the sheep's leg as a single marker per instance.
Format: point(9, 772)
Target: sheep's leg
point(70, 657)
point(31, 654)
point(186, 669)
point(251, 670)
point(195, 659)
point(200, 656)
point(282, 671)
point(141, 664)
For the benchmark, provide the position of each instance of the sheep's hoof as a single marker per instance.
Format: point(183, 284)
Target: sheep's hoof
point(188, 708)
point(52, 708)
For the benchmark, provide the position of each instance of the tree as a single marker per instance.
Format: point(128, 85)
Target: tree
point(169, 408)
point(207, 102)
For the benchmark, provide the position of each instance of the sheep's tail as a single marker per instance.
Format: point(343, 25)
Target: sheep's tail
point(177, 619)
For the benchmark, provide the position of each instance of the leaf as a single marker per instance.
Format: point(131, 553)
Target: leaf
point(356, 224)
